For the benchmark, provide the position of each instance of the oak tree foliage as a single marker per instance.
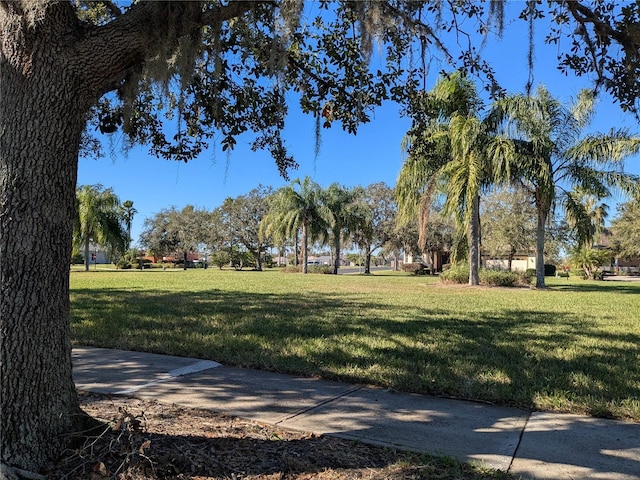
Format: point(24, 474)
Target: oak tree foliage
point(625, 229)
point(240, 219)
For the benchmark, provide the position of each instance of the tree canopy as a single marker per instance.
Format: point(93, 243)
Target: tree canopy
point(626, 229)
point(239, 221)
point(508, 223)
point(171, 231)
point(550, 153)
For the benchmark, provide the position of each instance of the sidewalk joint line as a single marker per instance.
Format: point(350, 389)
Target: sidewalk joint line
point(515, 452)
point(313, 407)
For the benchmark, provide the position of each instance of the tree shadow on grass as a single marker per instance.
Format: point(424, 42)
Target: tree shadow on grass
point(601, 287)
point(506, 356)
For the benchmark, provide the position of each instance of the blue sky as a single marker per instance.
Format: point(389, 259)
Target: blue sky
point(373, 155)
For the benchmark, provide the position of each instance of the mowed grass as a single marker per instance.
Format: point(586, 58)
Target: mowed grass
point(574, 347)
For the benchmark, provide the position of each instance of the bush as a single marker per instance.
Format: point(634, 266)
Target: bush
point(456, 274)
point(220, 259)
point(123, 264)
point(77, 259)
point(549, 270)
point(416, 268)
point(324, 269)
point(498, 278)
point(291, 269)
point(495, 278)
point(529, 274)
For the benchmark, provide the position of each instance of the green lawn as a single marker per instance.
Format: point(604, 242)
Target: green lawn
point(572, 348)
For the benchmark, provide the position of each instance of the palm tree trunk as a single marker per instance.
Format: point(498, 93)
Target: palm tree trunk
point(336, 262)
point(86, 254)
point(305, 252)
point(540, 231)
point(474, 242)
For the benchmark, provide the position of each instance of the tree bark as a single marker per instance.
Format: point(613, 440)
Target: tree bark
point(258, 256)
point(540, 231)
point(336, 261)
point(42, 117)
point(304, 245)
point(86, 254)
point(53, 69)
point(367, 261)
point(474, 243)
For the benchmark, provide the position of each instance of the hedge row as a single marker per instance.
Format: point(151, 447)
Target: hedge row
point(496, 278)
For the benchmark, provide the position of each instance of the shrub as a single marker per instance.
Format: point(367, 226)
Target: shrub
point(220, 258)
point(498, 278)
point(456, 274)
point(324, 269)
point(77, 259)
point(291, 269)
point(549, 270)
point(416, 268)
point(124, 264)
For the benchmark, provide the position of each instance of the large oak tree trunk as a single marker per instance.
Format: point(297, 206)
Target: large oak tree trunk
point(41, 121)
point(53, 69)
point(45, 96)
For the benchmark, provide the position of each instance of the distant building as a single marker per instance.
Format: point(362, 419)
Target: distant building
point(520, 262)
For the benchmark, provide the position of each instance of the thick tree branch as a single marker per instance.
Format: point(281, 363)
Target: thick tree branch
point(584, 15)
point(123, 45)
point(113, 8)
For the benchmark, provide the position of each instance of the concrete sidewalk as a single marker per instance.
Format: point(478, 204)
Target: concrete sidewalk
point(532, 445)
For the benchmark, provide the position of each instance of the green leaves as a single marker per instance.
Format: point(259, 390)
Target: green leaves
point(98, 220)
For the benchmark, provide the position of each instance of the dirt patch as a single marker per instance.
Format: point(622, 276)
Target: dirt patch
point(146, 440)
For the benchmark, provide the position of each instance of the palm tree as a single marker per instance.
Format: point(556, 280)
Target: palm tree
point(340, 204)
point(128, 212)
point(550, 155)
point(448, 147)
point(98, 220)
point(298, 207)
point(585, 216)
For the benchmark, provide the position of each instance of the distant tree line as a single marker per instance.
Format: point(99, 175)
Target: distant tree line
point(245, 229)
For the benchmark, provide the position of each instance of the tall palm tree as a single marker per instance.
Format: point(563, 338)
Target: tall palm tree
point(341, 205)
point(448, 146)
point(128, 212)
point(98, 220)
point(298, 207)
point(551, 154)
